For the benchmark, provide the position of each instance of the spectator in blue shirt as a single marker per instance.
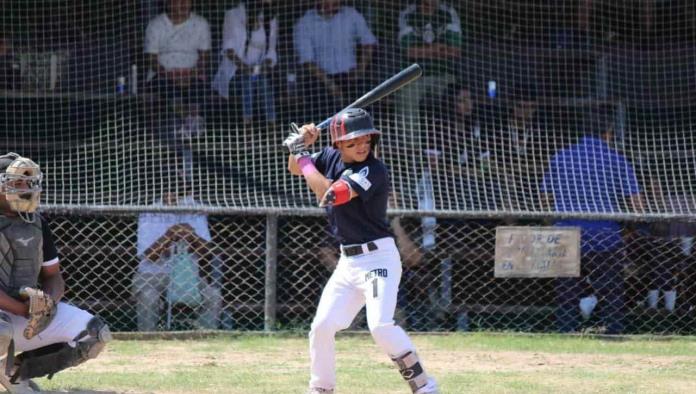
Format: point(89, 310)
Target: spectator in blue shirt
point(592, 177)
point(334, 46)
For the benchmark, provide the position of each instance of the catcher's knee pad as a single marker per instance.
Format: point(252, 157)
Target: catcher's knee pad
point(411, 370)
point(50, 359)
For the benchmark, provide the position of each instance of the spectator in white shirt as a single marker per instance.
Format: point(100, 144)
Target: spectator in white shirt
point(177, 43)
point(326, 40)
point(249, 41)
point(164, 237)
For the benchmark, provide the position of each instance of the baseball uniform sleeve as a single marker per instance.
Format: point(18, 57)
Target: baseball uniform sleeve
point(368, 180)
point(50, 252)
point(320, 160)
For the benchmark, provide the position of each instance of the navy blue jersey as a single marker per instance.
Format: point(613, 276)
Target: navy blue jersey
point(363, 218)
point(50, 253)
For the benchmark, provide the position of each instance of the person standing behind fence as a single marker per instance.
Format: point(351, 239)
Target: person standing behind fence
point(249, 41)
point(592, 177)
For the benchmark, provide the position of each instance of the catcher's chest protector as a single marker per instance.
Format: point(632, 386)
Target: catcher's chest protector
point(21, 254)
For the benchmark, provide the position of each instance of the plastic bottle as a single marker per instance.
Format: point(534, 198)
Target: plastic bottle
point(492, 89)
point(121, 85)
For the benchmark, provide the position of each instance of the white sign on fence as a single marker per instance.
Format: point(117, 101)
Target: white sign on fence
point(537, 252)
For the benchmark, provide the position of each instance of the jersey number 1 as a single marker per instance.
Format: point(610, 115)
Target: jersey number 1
point(374, 288)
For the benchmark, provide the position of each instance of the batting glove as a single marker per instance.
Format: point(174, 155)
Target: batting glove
point(295, 143)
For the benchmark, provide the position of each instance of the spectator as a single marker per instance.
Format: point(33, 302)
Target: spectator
point(249, 41)
point(9, 78)
point(517, 149)
point(592, 177)
point(430, 33)
point(425, 301)
point(664, 247)
point(461, 123)
point(425, 191)
point(177, 43)
point(326, 42)
point(170, 246)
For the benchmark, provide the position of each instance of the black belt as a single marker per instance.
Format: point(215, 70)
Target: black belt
point(356, 250)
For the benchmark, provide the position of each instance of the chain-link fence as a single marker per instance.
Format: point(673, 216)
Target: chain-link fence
point(268, 272)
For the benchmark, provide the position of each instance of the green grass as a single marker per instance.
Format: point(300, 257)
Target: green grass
point(462, 363)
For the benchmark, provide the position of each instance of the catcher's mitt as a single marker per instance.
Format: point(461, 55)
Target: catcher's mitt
point(42, 310)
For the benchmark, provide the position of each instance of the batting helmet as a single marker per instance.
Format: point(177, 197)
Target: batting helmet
point(20, 182)
point(352, 123)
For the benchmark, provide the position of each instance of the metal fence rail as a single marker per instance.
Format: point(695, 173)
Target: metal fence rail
point(270, 270)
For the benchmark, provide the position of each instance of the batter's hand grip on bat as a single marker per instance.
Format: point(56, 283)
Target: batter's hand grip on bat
point(391, 85)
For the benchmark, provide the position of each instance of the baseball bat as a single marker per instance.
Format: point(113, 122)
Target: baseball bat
point(384, 89)
point(391, 85)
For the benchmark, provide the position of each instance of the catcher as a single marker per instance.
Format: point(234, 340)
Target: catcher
point(47, 335)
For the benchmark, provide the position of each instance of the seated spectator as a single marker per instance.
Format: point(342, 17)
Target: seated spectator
point(460, 120)
point(9, 77)
point(326, 41)
point(430, 34)
point(664, 248)
point(249, 41)
point(518, 151)
point(173, 248)
point(425, 299)
point(177, 43)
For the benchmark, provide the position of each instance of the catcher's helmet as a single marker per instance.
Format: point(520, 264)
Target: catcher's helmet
point(352, 123)
point(20, 182)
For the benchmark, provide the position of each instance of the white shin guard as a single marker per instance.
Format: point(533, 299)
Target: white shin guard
point(411, 370)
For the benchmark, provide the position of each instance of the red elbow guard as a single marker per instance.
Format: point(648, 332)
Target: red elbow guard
point(342, 190)
point(339, 193)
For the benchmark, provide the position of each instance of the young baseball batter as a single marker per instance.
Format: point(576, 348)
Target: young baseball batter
point(353, 185)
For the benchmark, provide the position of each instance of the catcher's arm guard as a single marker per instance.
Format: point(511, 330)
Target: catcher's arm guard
point(42, 310)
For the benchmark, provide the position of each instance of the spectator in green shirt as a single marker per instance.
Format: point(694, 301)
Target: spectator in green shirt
point(430, 34)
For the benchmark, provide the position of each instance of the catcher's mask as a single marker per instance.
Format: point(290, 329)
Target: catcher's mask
point(20, 182)
point(353, 123)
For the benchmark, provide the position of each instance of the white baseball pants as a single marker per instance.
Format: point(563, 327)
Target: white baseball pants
point(372, 280)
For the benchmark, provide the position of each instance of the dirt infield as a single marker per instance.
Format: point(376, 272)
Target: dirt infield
point(462, 364)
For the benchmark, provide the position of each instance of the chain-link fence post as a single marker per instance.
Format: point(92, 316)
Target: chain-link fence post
point(270, 299)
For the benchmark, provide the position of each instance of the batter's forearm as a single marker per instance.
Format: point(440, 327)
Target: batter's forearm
point(318, 183)
point(293, 167)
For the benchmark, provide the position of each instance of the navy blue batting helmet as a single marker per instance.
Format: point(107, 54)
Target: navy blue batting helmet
point(352, 123)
